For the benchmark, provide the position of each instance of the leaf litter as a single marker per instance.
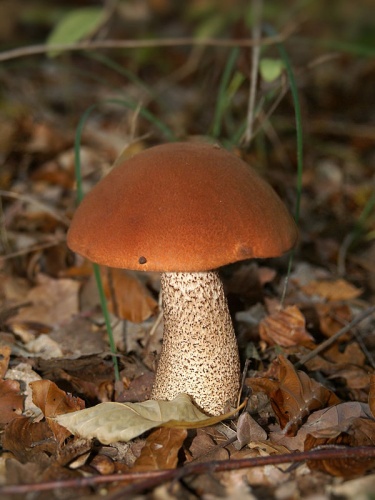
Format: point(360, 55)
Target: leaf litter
point(55, 361)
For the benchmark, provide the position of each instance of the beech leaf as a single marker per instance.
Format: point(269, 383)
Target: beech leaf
point(332, 290)
point(111, 422)
point(293, 394)
point(160, 450)
point(285, 328)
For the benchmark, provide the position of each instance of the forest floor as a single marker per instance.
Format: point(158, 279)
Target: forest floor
point(55, 356)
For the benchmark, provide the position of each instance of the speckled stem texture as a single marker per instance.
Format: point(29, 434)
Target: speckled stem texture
point(199, 356)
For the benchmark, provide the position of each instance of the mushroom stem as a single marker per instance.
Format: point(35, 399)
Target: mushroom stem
point(199, 356)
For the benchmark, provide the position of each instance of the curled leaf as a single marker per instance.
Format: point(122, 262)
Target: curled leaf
point(285, 328)
point(111, 422)
point(293, 394)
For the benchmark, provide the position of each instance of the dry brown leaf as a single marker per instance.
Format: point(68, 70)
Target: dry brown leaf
point(11, 401)
point(351, 355)
point(335, 420)
point(371, 396)
point(52, 301)
point(26, 439)
point(349, 366)
point(285, 328)
point(249, 430)
point(205, 446)
point(332, 318)
point(293, 394)
point(160, 450)
point(127, 296)
point(332, 290)
point(356, 432)
point(4, 359)
point(327, 423)
point(52, 400)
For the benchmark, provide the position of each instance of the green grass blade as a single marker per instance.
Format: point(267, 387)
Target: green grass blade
point(118, 68)
point(222, 100)
point(98, 279)
point(299, 137)
point(78, 174)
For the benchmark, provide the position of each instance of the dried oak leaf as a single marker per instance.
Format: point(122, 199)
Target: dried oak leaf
point(293, 394)
point(26, 439)
point(52, 302)
point(53, 402)
point(347, 424)
point(11, 401)
point(285, 328)
point(332, 290)
point(4, 359)
point(160, 450)
point(332, 317)
point(127, 296)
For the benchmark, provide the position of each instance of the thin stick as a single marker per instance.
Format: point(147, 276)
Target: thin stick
point(33, 248)
point(42, 206)
point(327, 343)
point(257, 7)
point(154, 478)
point(137, 44)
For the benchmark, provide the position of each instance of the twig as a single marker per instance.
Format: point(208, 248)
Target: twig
point(244, 373)
point(137, 44)
point(154, 478)
point(45, 208)
point(327, 343)
point(31, 249)
point(257, 6)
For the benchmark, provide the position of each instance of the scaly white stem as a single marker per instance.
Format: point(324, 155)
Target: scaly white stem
point(199, 356)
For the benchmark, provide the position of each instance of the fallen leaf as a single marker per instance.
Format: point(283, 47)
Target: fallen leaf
point(332, 318)
point(26, 439)
point(206, 446)
point(128, 298)
point(160, 450)
point(349, 365)
point(293, 394)
point(111, 422)
point(52, 400)
point(349, 431)
point(332, 290)
point(24, 374)
point(11, 401)
point(52, 301)
point(249, 430)
point(285, 328)
point(4, 359)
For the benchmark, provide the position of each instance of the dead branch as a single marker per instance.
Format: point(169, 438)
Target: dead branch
point(150, 479)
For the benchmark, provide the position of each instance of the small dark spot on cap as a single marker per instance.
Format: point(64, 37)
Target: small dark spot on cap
point(142, 260)
point(245, 252)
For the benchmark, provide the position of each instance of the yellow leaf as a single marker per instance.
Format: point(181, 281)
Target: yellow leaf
point(111, 422)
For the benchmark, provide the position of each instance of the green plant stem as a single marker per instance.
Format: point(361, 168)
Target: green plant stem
point(107, 319)
point(221, 99)
point(299, 136)
point(78, 174)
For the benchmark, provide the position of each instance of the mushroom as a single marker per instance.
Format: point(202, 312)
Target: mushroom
point(186, 209)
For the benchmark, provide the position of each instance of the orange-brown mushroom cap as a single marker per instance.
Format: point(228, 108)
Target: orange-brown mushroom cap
point(181, 207)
